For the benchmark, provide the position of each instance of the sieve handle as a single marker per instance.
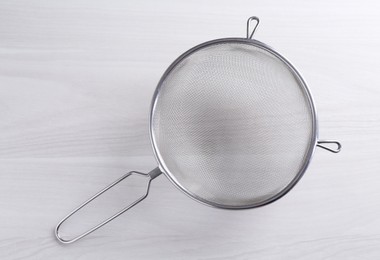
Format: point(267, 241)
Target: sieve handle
point(249, 21)
point(321, 143)
point(151, 175)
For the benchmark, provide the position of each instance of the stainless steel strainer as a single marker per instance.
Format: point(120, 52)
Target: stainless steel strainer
point(232, 124)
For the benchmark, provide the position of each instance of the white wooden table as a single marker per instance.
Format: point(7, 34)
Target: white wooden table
point(76, 79)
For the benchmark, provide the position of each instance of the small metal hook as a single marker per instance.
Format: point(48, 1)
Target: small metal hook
point(250, 19)
point(337, 150)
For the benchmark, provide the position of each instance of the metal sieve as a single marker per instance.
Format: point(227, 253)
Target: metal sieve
point(232, 124)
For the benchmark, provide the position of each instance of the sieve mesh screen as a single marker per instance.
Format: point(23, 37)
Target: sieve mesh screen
point(232, 124)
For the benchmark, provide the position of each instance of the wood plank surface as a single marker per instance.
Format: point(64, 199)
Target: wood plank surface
point(76, 81)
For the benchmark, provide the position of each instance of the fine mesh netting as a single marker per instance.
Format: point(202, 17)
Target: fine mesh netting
point(232, 125)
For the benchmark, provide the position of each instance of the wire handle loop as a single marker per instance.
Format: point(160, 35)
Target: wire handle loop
point(151, 175)
point(336, 150)
point(249, 21)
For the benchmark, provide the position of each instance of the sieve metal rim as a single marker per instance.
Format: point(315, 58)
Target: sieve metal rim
point(307, 156)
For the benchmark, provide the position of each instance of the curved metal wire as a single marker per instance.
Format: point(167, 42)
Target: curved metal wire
point(249, 21)
point(336, 150)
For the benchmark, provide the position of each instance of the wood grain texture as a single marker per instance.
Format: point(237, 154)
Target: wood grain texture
point(76, 79)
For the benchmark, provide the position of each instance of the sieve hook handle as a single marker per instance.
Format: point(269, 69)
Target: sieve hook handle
point(249, 22)
point(321, 143)
point(151, 175)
